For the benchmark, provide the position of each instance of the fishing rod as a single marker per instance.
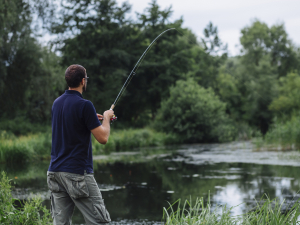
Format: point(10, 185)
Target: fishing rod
point(135, 68)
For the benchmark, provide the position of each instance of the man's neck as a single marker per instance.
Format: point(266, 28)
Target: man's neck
point(79, 89)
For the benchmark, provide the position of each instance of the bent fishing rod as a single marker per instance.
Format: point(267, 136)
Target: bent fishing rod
point(135, 68)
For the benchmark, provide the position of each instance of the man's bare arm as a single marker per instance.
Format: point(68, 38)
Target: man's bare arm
point(102, 132)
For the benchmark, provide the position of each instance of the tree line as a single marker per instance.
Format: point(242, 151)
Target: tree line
point(184, 85)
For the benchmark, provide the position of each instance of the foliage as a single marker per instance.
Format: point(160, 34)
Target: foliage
point(195, 114)
point(28, 83)
point(212, 42)
point(108, 45)
point(38, 146)
point(248, 90)
point(22, 126)
point(32, 212)
point(267, 212)
point(129, 139)
point(288, 100)
point(283, 134)
point(101, 36)
point(259, 40)
point(24, 148)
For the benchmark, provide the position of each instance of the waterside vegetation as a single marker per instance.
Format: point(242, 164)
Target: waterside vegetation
point(31, 211)
point(38, 145)
point(267, 211)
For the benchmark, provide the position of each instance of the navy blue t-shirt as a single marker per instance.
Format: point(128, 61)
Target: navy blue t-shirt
point(73, 118)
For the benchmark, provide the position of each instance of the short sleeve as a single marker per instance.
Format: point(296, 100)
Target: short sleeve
point(90, 116)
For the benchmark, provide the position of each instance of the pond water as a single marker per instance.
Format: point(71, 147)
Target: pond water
point(137, 185)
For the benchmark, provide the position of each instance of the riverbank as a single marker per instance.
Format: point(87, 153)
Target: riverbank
point(38, 146)
point(266, 211)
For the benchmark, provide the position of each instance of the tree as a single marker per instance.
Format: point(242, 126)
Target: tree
point(108, 45)
point(288, 101)
point(208, 57)
point(258, 40)
point(167, 61)
point(23, 66)
point(195, 114)
point(19, 55)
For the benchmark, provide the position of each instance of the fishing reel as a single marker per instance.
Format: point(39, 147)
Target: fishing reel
point(113, 119)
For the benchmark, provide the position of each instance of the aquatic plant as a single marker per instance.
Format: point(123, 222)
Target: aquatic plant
point(31, 212)
point(266, 212)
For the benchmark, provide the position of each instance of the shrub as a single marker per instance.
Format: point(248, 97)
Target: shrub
point(32, 212)
point(195, 114)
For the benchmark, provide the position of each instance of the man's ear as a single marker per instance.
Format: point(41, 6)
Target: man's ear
point(82, 81)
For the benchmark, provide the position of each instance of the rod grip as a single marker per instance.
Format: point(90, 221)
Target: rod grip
point(112, 107)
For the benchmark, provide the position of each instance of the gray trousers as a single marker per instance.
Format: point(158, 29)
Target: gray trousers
point(68, 190)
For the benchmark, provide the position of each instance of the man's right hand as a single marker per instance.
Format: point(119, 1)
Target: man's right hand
point(102, 132)
point(108, 114)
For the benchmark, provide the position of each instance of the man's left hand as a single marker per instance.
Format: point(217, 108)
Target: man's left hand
point(100, 117)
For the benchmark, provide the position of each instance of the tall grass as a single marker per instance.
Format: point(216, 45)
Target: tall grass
point(283, 135)
point(130, 139)
point(267, 212)
point(23, 148)
point(31, 212)
point(38, 146)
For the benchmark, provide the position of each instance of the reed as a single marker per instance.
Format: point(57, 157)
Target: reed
point(266, 212)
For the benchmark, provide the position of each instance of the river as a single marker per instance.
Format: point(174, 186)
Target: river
point(137, 185)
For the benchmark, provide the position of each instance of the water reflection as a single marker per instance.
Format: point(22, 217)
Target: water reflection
point(135, 191)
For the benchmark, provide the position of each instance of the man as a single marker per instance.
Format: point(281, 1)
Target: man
point(70, 174)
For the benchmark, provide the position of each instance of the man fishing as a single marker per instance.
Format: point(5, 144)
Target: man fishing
point(70, 174)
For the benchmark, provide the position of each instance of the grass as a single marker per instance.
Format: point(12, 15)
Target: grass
point(130, 139)
point(283, 135)
point(24, 148)
point(31, 212)
point(38, 146)
point(266, 212)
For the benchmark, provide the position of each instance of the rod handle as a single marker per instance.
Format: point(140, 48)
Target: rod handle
point(112, 107)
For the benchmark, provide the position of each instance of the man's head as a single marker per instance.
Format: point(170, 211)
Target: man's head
point(76, 76)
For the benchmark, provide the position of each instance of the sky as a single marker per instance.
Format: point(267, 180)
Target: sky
point(230, 16)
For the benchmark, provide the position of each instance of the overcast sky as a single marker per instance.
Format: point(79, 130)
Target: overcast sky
point(230, 16)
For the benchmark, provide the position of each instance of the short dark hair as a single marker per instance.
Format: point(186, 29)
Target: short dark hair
point(74, 75)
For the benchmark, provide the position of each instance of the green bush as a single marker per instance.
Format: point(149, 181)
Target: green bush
point(32, 212)
point(195, 114)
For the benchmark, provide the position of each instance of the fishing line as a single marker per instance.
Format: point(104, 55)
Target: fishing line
point(135, 68)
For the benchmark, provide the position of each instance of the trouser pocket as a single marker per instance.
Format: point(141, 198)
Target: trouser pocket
point(52, 183)
point(100, 211)
point(76, 185)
